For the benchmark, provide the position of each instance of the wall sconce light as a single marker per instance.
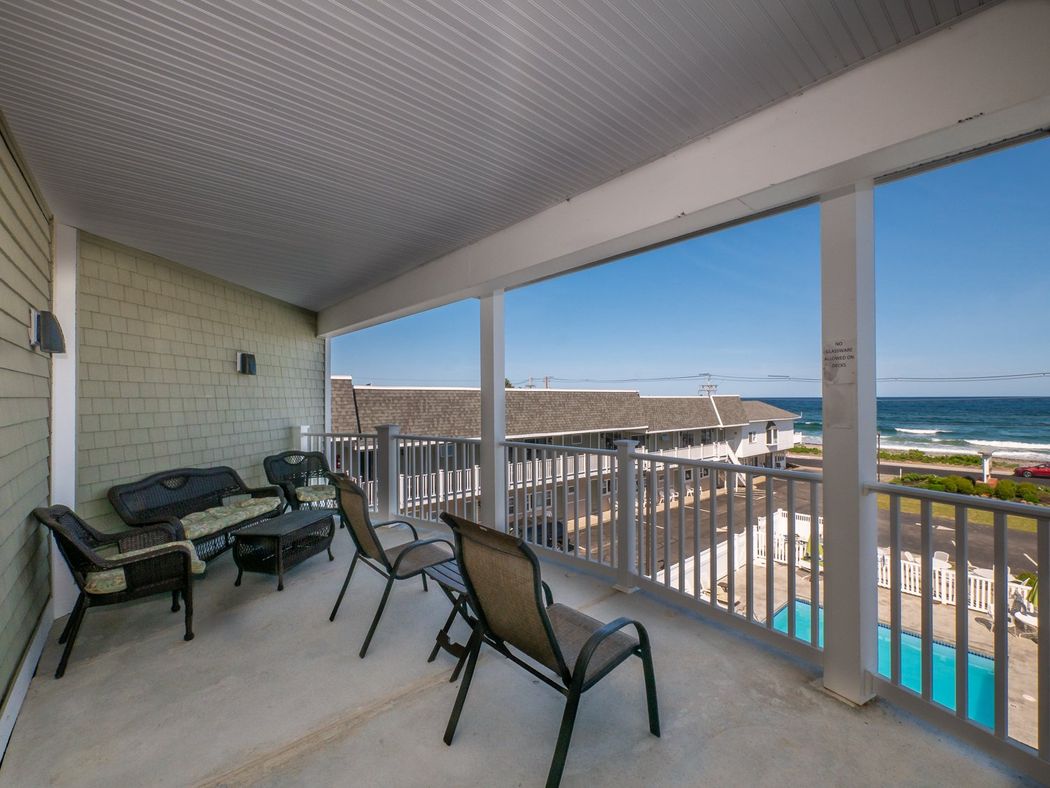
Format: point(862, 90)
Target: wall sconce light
point(246, 363)
point(45, 333)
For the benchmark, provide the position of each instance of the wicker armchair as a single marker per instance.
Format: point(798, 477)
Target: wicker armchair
point(150, 560)
point(304, 477)
point(400, 562)
point(514, 607)
point(194, 501)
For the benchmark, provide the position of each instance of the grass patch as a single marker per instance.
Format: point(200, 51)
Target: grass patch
point(801, 449)
point(946, 511)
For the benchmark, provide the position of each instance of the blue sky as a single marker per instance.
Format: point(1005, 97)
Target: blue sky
point(963, 288)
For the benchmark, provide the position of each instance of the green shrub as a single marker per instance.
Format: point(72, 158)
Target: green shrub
point(982, 489)
point(963, 485)
point(1006, 490)
point(1028, 492)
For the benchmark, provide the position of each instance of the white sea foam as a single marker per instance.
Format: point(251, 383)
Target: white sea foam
point(919, 432)
point(1012, 445)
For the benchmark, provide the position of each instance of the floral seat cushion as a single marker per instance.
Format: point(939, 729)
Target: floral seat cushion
point(313, 493)
point(200, 524)
point(112, 581)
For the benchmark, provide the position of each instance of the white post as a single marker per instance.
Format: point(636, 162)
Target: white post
point(386, 469)
point(626, 516)
point(328, 384)
point(493, 413)
point(64, 407)
point(851, 528)
point(303, 442)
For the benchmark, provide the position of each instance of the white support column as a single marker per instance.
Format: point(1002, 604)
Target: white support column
point(328, 384)
point(64, 406)
point(626, 516)
point(851, 530)
point(387, 470)
point(493, 413)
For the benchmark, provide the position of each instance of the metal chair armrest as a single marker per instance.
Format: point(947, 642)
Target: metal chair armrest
point(579, 670)
point(419, 543)
point(547, 593)
point(412, 528)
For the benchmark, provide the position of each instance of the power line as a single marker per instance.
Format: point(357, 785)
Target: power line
point(799, 379)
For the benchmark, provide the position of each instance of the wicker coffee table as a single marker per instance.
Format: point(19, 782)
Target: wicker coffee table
point(276, 545)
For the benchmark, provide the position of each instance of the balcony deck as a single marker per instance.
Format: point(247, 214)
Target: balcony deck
point(272, 693)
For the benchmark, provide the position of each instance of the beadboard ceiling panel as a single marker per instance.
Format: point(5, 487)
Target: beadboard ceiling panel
point(311, 149)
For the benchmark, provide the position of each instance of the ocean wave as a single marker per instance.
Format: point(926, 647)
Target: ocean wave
point(918, 432)
point(1011, 445)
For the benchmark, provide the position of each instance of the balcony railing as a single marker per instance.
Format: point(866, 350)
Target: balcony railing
point(962, 635)
point(996, 674)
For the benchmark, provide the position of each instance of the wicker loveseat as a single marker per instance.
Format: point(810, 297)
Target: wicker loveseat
point(207, 504)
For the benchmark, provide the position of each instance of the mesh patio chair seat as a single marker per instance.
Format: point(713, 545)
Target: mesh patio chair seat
point(401, 562)
point(304, 477)
point(515, 608)
point(119, 567)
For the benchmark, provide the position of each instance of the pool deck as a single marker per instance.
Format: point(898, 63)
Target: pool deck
point(271, 693)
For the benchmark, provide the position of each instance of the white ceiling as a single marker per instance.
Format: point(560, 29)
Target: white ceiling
point(312, 149)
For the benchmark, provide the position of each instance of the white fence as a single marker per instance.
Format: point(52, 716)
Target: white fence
point(981, 584)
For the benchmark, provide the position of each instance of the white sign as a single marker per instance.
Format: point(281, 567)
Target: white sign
point(840, 362)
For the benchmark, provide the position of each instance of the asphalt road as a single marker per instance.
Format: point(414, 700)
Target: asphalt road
point(1020, 545)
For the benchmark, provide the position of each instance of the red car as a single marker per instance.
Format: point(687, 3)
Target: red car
point(1028, 471)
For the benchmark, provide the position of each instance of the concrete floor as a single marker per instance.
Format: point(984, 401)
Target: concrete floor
point(271, 693)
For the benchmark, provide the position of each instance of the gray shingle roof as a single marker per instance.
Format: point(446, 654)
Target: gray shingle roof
point(731, 410)
point(533, 412)
point(763, 411)
point(678, 413)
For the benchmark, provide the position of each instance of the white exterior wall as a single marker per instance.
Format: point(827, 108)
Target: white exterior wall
point(737, 437)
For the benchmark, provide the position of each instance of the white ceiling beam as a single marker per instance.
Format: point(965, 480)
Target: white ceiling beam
point(985, 79)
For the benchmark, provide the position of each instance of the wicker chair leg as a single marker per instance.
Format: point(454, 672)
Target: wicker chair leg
point(561, 751)
point(473, 649)
point(342, 591)
point(379, 614)
point(69, 622)
point(174, 601)
point(75, 618)
point(187, 597)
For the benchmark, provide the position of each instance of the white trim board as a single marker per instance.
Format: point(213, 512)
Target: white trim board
point(26, 669)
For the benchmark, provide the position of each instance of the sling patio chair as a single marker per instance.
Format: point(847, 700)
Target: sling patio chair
point(399, 562)
point(110, 568)
point(515, 608)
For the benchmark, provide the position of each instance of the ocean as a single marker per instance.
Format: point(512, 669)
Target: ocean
point(1016, 428)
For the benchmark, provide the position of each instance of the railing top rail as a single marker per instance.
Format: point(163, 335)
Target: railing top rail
point(433, 438)
point(549, 447)
point(339, 435)
point(754, 470)
point(971, 501)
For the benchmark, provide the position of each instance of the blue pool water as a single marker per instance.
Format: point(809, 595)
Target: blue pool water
point(980, 669)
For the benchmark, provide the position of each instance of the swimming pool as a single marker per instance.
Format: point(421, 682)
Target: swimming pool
point(980, 669)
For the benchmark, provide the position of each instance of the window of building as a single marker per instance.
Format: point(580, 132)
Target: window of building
point(752, 437)
point(771, 432)
point(576, 440)
point(687, 439)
